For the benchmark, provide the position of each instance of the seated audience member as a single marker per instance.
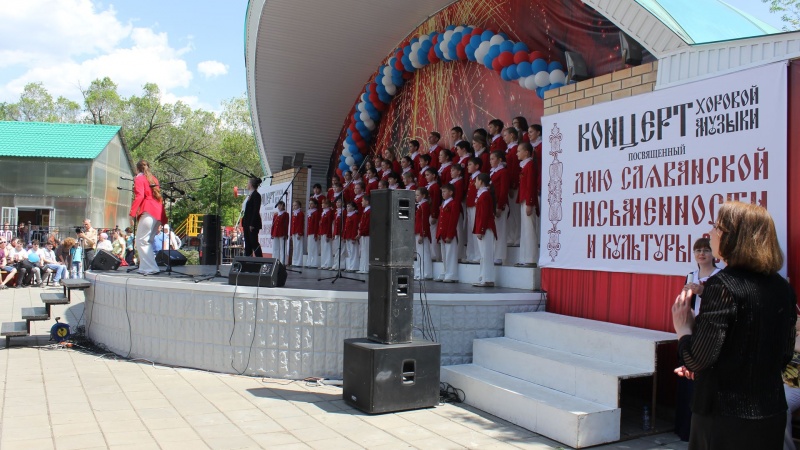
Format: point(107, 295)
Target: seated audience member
point(485, 230)
point(103, 243)
point(129, 252)
point(28, 272)
point(363, 235)
point(118, 244)
point(298, 232)
point(6, 264)
point(48, 260)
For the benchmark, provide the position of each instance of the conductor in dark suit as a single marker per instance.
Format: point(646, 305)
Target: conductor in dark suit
point(251, 219)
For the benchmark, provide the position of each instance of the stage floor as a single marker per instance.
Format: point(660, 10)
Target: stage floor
point(309, 279)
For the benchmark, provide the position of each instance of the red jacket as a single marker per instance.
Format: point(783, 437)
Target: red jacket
point(359, 202)
point(415, 159)
point(434, 152)
point(143, 201)
point(422, 219)
point(371, 185)
point(280, 225)
point(318, 198)
point(349, 193)
point(448, 220)
point(458, 192)
point(463, 161)
point(497, 143)
point(472, 191)
point(396, 168)
point(537, 169)
point(325, 224)
point(500, 182)
point(484, 157)
point(363, 224)
point(444, 173)
point(298, 222)
point(337, 222)
point(435, 197)
point(484, 215)
point(512, 164)
point(351, 225)
point(313, 222)
point(411, 187)
point(421, 181)
point(527, 190)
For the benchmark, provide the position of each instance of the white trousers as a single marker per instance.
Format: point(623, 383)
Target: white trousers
point(436, 253)
point(473, 254)
point(297, 250)
point(423, 266)
point(501, 248)
point(313, 252)
point(363, 263)
point(529, 240)
point(326, 252)
point(486, 247)
point(337, 247)
point(513, 225)
point(461, 234)
point(279, 249)
point(352, 255)
point(450, 259)
point(147, 229)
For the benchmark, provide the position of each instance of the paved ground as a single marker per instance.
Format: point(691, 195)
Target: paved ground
point(53, 397)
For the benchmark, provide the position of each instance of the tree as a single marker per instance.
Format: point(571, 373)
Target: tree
point(789, 10)
point(9, 111)
point(36, 104)
point(102, 102)
point(67, 111)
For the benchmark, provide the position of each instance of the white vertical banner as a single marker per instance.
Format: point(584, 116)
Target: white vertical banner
point(629, 185)
point(270, 195)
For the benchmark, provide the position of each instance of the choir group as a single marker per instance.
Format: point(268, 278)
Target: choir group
point(473, 201)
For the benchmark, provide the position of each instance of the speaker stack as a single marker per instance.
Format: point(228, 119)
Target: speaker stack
point(209, 245)
point(389, 371)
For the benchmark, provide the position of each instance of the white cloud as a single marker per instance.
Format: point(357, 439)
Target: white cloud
point(65, 44)
point(212, 69)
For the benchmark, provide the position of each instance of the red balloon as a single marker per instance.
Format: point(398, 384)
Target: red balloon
point(373, 89)
point(520, 56)
point(432, 58)
point(506, 59)
point(408, 75)
point(435, 38)
point(374, 98)
point(477, 31)
point(496, 64)
point(462, 55)
point(361, 145)
point(380, 106)
point(357, 136)
point(535, 55)
point(465, 39)
point(398, 64)
point(352, 127)
point(339, 173)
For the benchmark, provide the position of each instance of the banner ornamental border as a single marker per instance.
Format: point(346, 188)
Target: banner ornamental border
point(554, 198)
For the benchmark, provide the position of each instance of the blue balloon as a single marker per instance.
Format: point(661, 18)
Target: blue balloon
point(375, 115)
point(385, 98)
point(397, 80)
point(494, 51)
point(505, 36)
point(520, 47)
point(475, 41)
point(407, 50)
point(506, 46)
point(555, 65)
point(466, 31)
point(381, 89)
point(555, 86)
point(370, 107)
point(365, 97)
point(422, 56)
point(438, 52)
point(470, 51)
point(524, 69)
point(362, 129)
point(450, 27)
point(413, 40)
point(538, 66)
point(486, 36)
point(456, 37)
point(379, 79)
point(512, 72)
point(504, 74)
point(343, 166)
point(350, 140)
point(540, 92)
point(487, 61)
point(426, 45)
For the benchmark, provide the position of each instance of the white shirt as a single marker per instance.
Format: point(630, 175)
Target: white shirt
point(696, 279)
point(525, 162)
point(495, 169)
point(105, 245)
point(537, 142)
point(481, 191)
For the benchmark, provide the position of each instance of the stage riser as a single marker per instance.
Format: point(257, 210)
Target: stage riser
point(298, 333)
point(512, 257)
point(529, 278)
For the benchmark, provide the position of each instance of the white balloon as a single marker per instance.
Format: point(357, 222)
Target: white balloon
point(386, 80)
point(346, 151)
point(443, 48)
point(482, 51)
point(413, 57)
point(350, 160)
point(557, 76)
point(542, 78)
point(496, 40)
point(414, 47)
point(391, 90)
point(521, 81)
point(364, 116)
point(370, 124)
point(387, 71)
point(424, 37)
point(448, 34)
point(530, 82)
point(362, 107)
point(459, 29)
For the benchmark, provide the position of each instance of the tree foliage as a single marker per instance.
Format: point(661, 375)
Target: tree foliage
point(173, 137)
point(789, 11)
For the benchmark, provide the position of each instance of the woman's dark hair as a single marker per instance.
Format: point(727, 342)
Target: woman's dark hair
point(372, 171)
point(477, 161)
point(703, 244)
point(408, 159)
point(487, 181)
point(397, 178)
point(458, 168)
point(499, 154)
point(466, 146)
point(447, 153)
point(513, 132)
point(480, 139)
point(255, 182)
point(144, 167)
point(748, 238)
point(523, 123)
point(481, 132)
point(434, 172)
point(423, 191)
point(426, 158)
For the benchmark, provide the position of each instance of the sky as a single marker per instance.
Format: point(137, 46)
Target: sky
point(193, 49)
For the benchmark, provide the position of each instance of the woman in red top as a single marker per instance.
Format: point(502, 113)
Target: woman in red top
point(446, 234)
point(485, 230)
point(363, 235)
point(314, 216)
point(279, 232)
point(521, 124)
point(435, 197)
point(148, 208)
point(297, 232)
point(500, 183)
point(351, 237)
point(423, 266)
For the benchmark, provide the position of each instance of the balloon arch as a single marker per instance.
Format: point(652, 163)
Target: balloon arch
point(512, 60)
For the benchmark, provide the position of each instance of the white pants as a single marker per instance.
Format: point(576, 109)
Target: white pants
point(450, 259)
point(327, 252)
point(513, 225)
point(529, 240)
point(473, 254)
point(486, 247)
point(147, 229)
point(279, 249)
point(313, 252)
point(500, 248)
point(436, 253)
point(423, 266)
point(461, 234)
point(297, 250)
point(352, 255)
point(363, 265)
point(337, 248)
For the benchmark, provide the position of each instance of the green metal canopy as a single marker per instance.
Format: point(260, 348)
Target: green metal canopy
point(54, 140)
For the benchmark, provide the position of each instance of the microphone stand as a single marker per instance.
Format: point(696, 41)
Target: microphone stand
point(220, 165)
point(289, 237)
point(135, 223)
point(341, 238)
point(168, 236)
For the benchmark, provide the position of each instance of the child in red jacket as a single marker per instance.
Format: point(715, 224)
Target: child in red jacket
point(298, 232)
point(363, 235)
point(423, 266)
point(325, 232)
point(471, 253)
point(279, 232)
point(351, 237)
point(314, 216)
point(435, 197)
point(485, 230)
point(500, 184)
point(528, 205)
point(337, 246)
point(446, 234)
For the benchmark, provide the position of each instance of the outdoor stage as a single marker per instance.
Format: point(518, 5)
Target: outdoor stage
point(296, 331)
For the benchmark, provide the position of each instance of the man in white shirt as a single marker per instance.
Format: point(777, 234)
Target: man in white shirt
point(47, 258)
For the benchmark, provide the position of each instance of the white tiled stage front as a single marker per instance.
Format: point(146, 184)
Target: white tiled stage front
point(290, 332)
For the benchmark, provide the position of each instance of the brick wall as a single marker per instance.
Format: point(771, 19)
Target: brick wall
point(612, 86)
point(298, 187)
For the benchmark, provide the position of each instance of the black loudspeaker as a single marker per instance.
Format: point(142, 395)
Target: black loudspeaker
point(390, 304)
point(576, 67)
point(391, 227)
point(384, 378)
point(631, 50)
point(104, 260)
point(251, 271)
point(209, 247)
point(177, 258)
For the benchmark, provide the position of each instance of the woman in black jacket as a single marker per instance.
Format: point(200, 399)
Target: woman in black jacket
point(251, 219)
point(743, 338)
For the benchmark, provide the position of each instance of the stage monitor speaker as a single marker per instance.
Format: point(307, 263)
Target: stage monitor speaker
point(104, 260)
point(390, 304)
point(176, 257)
point(251, 271)
point(209, 247)
point(631, 50)
point(576, 67)
point(385, 378)
point(391, 227)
